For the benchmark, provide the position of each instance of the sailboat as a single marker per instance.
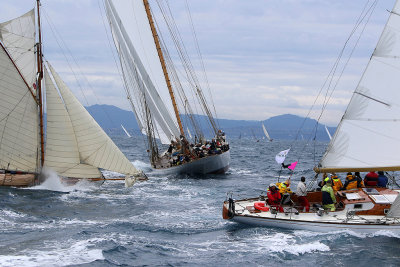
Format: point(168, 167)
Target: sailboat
point(266, 133)
point(328, 133)
point(154, 90)
point(126, 132)
point(74, 145)
point(367, 139)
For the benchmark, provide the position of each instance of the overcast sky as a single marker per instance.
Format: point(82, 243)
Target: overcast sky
point(263, 57)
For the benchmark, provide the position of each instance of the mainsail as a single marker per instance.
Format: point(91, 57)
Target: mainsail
point(328, 133)
point(367, 138)
point(18, 106)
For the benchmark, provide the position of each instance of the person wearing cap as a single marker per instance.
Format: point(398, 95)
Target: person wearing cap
point(336, 182)
point(301, 193)
point(274, 197)
point(328, 196)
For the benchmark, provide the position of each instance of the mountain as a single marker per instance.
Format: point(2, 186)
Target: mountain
point(284, 126)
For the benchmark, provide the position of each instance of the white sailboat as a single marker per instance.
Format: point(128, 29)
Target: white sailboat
point(266, 132)
point(328, 133)
point(74, 146)
point(366, 140)
point(157, 96)
point(126, 132)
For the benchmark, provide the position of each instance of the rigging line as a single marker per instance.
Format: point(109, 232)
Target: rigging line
point(370, 11)
point(55, 33)
point(184, 57)
point(333, 69)
point(201, 57)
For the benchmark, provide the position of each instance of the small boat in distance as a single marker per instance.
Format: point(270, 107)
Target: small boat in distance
point(329, 134)
point(366, 140)
point(126, 132)
point(266, 133)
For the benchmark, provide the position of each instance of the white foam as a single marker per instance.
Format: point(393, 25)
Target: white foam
point(56, 255)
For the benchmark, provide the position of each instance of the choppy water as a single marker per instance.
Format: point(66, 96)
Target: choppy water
point(174, 220)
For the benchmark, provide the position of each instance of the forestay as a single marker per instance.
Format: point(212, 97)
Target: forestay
point(18, 36)
point(94, 145)
point(368, 135)
point(18, 120)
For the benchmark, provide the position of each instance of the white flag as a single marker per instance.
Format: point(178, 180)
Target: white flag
point(280, 157)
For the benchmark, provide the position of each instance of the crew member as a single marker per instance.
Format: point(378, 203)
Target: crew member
point(274, 197)
point(301, 193)
point(328, 196)
point(336, 182)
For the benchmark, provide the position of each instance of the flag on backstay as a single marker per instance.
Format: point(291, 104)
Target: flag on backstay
point(292, 166)
point(280, 157)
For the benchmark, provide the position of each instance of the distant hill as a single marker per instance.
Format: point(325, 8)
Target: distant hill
point(284, 126)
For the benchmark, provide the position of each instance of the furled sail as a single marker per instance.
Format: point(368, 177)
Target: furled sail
point(62, 152)
point(367, 138)
point(94, 145)
point(135, 71)
point(18, 36)
point(18, 119)
point(265, 132)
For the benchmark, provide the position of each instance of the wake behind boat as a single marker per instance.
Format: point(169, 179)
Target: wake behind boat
point(155, 90)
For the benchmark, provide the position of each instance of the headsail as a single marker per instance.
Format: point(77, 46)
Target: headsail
point(367, 137)
point(62, 152)
point(95, 146)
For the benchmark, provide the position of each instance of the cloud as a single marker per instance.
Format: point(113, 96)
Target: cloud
point(263, 58)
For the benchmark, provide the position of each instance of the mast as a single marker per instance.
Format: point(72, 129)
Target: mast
point(163, 65)
point(39, 85)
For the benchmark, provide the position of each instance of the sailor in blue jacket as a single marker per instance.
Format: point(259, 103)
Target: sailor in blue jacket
point(382, 179)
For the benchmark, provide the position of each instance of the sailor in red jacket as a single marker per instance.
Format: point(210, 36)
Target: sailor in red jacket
point(371, 179)
point(274, 197)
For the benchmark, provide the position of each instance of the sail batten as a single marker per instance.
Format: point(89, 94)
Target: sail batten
point(373, 112)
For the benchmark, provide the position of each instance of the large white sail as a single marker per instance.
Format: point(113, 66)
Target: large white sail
point(368, 135)
point(134, 69)
point(265, 132)
point(62, 153)
point(18, 36)
point(18, 120)
point(95, 146)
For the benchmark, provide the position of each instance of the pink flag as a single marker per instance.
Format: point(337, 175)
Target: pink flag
point(292, 166)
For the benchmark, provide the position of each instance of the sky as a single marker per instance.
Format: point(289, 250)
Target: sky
point(262, 57)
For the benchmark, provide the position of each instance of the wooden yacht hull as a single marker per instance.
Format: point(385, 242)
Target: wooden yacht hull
point(218, 164)
point(18, 180)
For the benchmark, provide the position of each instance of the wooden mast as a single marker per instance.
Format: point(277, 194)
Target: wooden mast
point(39, 85)
point(163, 65)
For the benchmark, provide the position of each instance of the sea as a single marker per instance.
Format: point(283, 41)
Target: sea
point(176, 220)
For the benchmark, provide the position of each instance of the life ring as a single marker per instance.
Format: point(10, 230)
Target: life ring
point(260, 206)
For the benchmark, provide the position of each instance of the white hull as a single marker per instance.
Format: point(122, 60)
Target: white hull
point(315, 226)
point(211, 164)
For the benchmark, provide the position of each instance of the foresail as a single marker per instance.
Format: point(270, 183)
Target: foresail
point(394, 211)
point(18, 36)
point(95, 146)
point(62, 153)
point(146, 93)
point(368, 135)
point(18, 120)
